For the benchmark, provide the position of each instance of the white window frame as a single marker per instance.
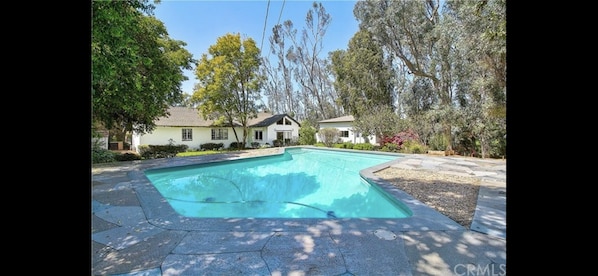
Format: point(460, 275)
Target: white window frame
point(187, 134)
point(219, 134)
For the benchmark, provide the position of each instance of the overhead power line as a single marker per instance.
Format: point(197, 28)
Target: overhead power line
point(265, 22)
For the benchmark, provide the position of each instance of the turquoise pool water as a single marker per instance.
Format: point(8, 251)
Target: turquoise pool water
point(301, 183)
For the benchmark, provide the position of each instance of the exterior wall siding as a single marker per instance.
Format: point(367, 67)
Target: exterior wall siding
point(354, 137)
point(202, 135)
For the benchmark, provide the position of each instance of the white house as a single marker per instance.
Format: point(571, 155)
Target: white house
point(344, 125)
point(187, 126)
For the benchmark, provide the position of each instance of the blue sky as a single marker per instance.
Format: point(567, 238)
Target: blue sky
point(199, 23)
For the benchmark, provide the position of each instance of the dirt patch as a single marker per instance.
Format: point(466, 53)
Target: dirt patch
point(451, 195)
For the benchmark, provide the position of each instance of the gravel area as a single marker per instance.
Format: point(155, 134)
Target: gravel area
point(451, 195)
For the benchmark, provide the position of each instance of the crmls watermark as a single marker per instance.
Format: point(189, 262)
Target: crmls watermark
point(480, 270)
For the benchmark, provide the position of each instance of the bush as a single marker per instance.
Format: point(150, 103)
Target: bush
point(255, 145)
point(161, 151)
point(329, 136)
point(307, 134)
point(398, 139)
point(211, 146)
point(413, 147)
point(363, 146)
point(127, 156)
point(390, 147)
point(100, 155)
point(437, 142)
point(236, 145)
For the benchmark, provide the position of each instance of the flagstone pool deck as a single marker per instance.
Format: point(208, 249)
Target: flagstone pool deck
point(134, 231)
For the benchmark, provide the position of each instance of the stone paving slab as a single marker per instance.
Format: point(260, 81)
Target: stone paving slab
point(291, 253)
point(140, 256)
point(119, 196)
point(367, 254)
point(126, 236)
point(490, 221)
point(222, 242)
point(454, 252)
point(241, 263)
point(123, 215)
point(99, 225)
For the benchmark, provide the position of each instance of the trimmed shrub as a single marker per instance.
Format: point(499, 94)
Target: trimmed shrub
point(211, 146)
point(127, 157)
point(161, 151)
point(363, 146)
point(236, 145)
point(100, 155)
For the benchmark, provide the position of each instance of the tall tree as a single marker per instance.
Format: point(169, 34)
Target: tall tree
point(229, 82)
point(311, 71)
point(408, 29)
point(137, 69)
point(481, 86)
point(363, 79)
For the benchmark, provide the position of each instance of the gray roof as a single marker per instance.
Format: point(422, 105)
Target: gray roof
point(348, 118)
point(190, 117)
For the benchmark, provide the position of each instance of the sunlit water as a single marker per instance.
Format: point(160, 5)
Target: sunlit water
point(301, 183)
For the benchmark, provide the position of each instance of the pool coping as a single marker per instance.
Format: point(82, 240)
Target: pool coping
point(160, 214)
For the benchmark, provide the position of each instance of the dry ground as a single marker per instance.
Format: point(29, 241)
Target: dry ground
point(453, 196)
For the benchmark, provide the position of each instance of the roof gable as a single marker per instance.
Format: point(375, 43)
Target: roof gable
point(348, 118)
point(190, 117)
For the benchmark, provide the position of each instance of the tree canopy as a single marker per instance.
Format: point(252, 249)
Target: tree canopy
point(229, 82)
point(137, 69)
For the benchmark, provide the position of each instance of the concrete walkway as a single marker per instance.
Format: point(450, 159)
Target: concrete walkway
point(136, 232)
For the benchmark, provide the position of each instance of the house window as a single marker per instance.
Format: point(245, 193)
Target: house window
point(280, 122)
point(219, 134)
point(344, 133)
point(258, 135)
point(187, 134)
point(287, 122)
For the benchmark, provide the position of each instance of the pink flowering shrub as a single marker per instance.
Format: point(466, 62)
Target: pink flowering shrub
point(394, 143)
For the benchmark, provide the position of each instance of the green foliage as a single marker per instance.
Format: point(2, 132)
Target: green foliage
point(363, 146)
point(211, 146)
point(100, 155)
point(413, 146)
point(381, 123)
point(343, 145)
point(437, 142)
point(320, 144)
point(127, 156)
point(390, 147)
point(236, 145)
point(307, 134)
point(161, 151)
point(229, 82)
point(329, 136)
point(363, 76)
point(137, 70)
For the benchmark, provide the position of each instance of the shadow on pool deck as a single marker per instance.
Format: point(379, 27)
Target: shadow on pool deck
point(135, 231)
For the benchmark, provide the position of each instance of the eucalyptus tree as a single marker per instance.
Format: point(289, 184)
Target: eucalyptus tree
point(229, 82)
point(481, 86)
point(279, 90)
point(409, 31)
point(363, 79)
point(310, 72)
point(137, 69)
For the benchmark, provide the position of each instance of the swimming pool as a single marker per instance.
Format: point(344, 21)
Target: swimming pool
point(300, 183)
